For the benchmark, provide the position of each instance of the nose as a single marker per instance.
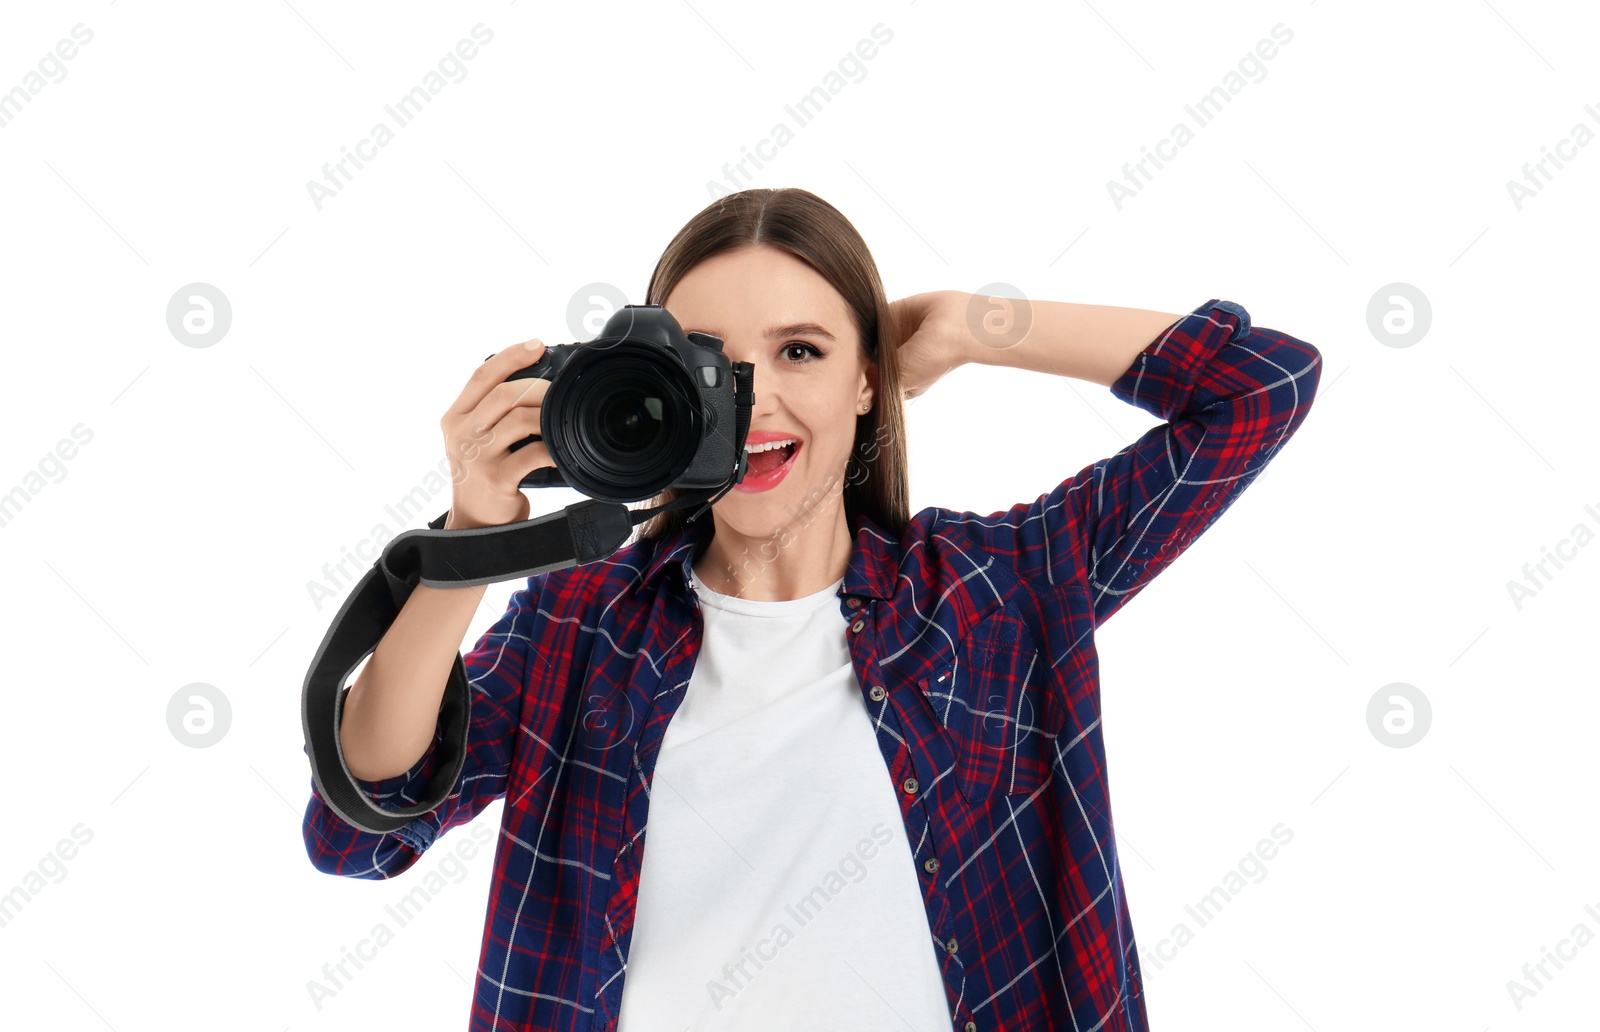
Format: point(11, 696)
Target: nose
point(766, 397)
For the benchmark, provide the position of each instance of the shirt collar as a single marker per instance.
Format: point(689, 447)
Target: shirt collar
point(874, 558)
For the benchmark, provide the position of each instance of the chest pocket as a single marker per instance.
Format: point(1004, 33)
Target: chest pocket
point(990, 697)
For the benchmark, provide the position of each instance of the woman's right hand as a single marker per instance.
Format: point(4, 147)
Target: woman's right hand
point(487, 418)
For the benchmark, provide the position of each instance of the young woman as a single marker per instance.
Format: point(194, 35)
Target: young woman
point(811, 760)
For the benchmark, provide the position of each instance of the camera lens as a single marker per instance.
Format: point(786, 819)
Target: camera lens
point(630, 421)
point(628, 426)
point(626, 419)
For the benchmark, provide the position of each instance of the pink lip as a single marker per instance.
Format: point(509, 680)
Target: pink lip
point(754, 484)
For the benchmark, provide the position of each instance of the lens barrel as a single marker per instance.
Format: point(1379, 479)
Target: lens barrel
point(624, 420)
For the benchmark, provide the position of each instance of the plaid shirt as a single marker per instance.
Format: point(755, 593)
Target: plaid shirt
point(972, 638)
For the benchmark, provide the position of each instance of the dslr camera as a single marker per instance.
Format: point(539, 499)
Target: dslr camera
point(641, 408)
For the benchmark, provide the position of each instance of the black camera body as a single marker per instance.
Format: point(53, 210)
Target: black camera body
point(641, 408)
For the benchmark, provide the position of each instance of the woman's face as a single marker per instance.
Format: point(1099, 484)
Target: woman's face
point(774, 311)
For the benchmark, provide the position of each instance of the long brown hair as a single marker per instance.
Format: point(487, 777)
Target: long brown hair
point(877, 481)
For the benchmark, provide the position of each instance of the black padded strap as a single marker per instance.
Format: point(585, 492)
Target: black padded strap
point(583, 532)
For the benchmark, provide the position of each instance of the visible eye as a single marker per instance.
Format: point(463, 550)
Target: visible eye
point(810, 348)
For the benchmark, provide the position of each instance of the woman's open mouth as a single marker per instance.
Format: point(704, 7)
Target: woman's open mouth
point(766, 465)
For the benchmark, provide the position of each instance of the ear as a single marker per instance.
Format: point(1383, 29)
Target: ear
point(869, 383)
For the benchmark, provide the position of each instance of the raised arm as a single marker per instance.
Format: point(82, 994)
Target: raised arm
point(1230, 395)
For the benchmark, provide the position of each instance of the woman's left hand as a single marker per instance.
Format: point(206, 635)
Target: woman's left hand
point(932, 337)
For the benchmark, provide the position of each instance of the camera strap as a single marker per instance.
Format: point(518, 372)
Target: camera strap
point(583, 532)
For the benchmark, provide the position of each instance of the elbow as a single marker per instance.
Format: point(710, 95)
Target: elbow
point(332, 846)
point(321, 837)
point(1310, 375)
point(1307, 378)
point(371, 863)
point(336, 848)
point(1297, 366)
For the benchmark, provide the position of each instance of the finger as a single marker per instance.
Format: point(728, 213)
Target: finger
point(529, 458)
point(492, 428)
point(493, 372)
point(514, 426)
point(506, 397)
point(520, 399)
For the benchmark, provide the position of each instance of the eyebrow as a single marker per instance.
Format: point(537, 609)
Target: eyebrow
point(791, 330)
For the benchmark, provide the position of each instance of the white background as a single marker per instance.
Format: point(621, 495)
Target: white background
point(179, 544)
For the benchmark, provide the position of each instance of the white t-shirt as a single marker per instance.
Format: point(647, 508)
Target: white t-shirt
point(777, 889)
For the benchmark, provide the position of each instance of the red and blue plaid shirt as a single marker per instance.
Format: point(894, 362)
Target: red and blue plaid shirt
point(972, 639)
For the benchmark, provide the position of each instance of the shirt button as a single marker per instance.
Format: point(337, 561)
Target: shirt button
point(910, 785)
point(853, 602)
point(876, 693)
point(857, 625)
point(972, 1026)
point(950, 947)
point(931, 865)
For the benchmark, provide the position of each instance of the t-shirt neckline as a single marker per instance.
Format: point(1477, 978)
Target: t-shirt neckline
point(762, 607)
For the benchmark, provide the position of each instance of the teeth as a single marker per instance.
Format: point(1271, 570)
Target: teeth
point(769, 446)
